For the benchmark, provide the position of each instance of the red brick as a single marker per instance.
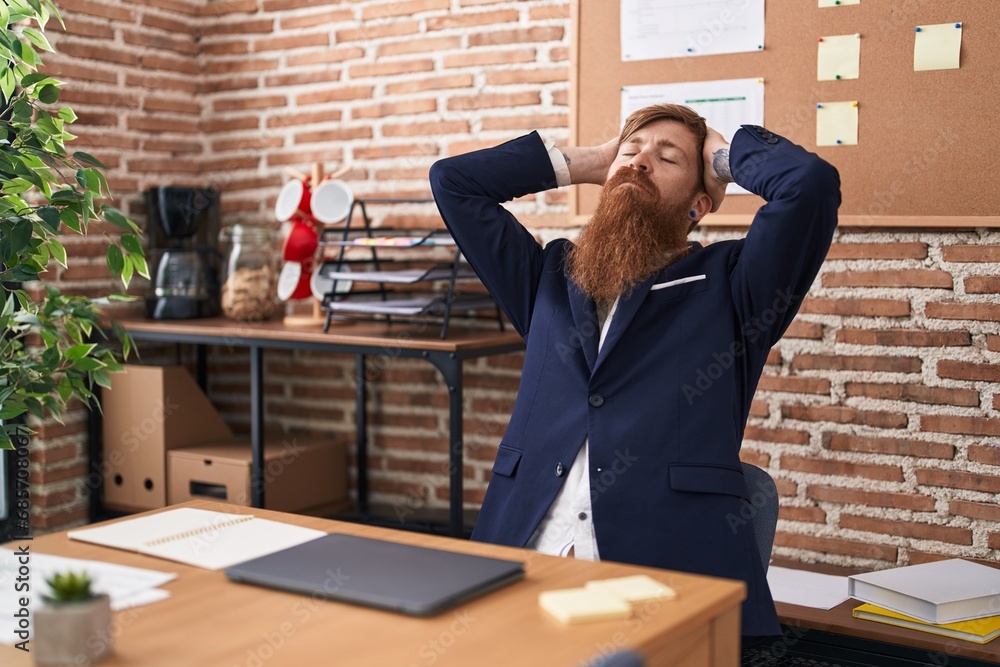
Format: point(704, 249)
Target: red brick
point(851, 363)
point(970, 253)
point(396, 108)
point(334, 134)
point(320, 19)
point(223, 125)
point(915, 393)
point(169, 63)
point(985, 511)
point(525, 122)
point(914, 250)
point(522, 35)
point(241, 65)
point(64, 518)
point(75, 71)
point(425, 129)
point(753, 457)
point(806, 514)
point(432, 45)
point(225, 7)
point(300, 119)
point(964, 370)
point(466, 19)
point(782, 435)
point(786, 487)
point(498, 57)
point(760, 409)
point(794, 385)
point(102, 52)
point(993, 542)
point(985, 454)
point(834, 467)
point(957, 479)
point(228, 48)
point(516, 76)
point(301, 157)
point(171, 104)
point(185, 45)
point(853, 496)
point(844, 415)
point(773, 358)
point(889, 278)
point(960, 425)
point(262, 26)
point(368, 32)
point(51, 474)
point(247, 103)
point(401, 8)
point(78, 28)
point(834, 545)
point(159, 124)
point(850, 306)
point(844, 442)
point(337, 94)
point(803, 329)
point(920, 531)
point(493, 100)
point(255, 142)
point(989, 312)
point(993, 343)
point(427, 150)
point(434, 83)
point(549, 12)
point(982, 285)
point(302, 78)
point(92, 8)
point(324, 56)
point(996, 401)
point(291, 42)
point(389, 68)
point(904, 337)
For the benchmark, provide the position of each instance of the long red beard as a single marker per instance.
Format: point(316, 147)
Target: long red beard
point(633, 234)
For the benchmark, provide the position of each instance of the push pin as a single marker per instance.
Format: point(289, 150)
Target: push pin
point(958, 25)
point(918, 29)
point(839, 142)
point(821, 39)
point(837, 76)
point(819, 106)
point(854, 104)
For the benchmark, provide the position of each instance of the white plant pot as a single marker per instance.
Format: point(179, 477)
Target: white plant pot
point(72, 632)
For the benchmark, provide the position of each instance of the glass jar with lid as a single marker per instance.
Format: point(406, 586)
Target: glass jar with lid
point(250, 273)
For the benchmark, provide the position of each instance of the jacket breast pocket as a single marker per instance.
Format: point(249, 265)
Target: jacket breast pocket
point(506, 461)
point(677, 290)
point(697, 478)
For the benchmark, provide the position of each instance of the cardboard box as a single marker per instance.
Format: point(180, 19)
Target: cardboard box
point(148, 411)
point(298, 476)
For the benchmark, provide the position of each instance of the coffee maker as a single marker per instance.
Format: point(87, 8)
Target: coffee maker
point(184, 259)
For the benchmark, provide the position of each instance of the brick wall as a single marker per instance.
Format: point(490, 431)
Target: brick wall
point(877, 414)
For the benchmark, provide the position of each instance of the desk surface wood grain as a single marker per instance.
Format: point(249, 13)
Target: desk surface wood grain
point(211, 621)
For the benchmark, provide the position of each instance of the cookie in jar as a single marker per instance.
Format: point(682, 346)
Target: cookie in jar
point(250, 290)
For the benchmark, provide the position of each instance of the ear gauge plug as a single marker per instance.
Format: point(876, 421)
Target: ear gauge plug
point(693, 214)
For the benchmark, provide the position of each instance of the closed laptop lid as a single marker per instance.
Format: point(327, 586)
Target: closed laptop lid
point(377, 573)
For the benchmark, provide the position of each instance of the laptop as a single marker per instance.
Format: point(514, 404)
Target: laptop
point(376, 573)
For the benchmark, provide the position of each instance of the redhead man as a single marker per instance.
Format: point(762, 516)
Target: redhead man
point(643, 350)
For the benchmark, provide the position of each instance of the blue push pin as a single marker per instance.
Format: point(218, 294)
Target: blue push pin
point(839, 141)
point(958, 25)
point(819, 106)
point(690, 49)
point(918, 28)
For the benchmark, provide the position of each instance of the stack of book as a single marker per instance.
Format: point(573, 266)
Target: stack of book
point(954, 598)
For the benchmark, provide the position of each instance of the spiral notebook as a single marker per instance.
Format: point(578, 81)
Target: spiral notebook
point(205, 539)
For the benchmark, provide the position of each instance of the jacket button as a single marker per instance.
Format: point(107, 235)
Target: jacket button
point(596, 400)
point(772, 140)
point(560, 470)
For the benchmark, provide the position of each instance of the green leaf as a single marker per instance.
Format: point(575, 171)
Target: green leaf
point(58, 251)
point(127, 269)
point(22, 110)
point(79, 351)
point(140, 265)
point(48, 94)
point(7, 82)
point(33, 78)
point(88, 364)
point(50, 216)
point(8, 306)
point(71, 219)
point(87, 158)
point(67, 115)
point(115, 217)
point(16, 186)
point(4, 16)
point(20, 236)
point(11, 410)
point(131, 243)
point(36, 37)
point(116, 261)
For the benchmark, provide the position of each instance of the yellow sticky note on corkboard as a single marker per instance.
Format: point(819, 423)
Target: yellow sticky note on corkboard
point(937, 46)
point(837, 124)
point(838, 57)
point(838, 3)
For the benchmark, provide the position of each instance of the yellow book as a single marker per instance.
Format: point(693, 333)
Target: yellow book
point(978, 630)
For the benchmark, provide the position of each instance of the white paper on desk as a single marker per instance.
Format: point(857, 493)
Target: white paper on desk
point(725, 104)
point(652, 29)
point(127, 586)
point(807, 589)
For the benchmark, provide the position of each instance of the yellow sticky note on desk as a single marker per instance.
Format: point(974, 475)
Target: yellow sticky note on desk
point(839, 57)
point(635, 589)
point(937, 46)
point(582, 605)
point(838, 3)
point(837, 124)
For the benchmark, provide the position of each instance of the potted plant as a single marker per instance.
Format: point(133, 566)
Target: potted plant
point(73, 625)
point(47, 349)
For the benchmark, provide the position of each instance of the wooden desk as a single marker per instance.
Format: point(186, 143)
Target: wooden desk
point(211, 621)
point(357, 338)
point(806, 622)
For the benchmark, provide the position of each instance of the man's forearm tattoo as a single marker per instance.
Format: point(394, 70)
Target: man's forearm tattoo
point(720, 162)
point(566, 157)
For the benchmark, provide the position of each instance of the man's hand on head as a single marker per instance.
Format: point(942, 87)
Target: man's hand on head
point(590, 164)
point(717, 172)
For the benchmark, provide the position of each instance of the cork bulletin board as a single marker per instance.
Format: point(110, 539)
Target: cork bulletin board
point(928, 152)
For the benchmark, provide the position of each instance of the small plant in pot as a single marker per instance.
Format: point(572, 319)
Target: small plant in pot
point(73, 625)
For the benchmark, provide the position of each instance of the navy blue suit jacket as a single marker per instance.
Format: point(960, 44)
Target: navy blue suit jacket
point(665, 402)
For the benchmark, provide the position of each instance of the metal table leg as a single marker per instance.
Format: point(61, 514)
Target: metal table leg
point(257, 425)
point(361, 432)
point(450, 367)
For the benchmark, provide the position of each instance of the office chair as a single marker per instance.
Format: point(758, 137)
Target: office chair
point(763, 494)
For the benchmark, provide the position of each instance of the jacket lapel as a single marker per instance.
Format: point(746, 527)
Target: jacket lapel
point(627, 308)
point(585, 323)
